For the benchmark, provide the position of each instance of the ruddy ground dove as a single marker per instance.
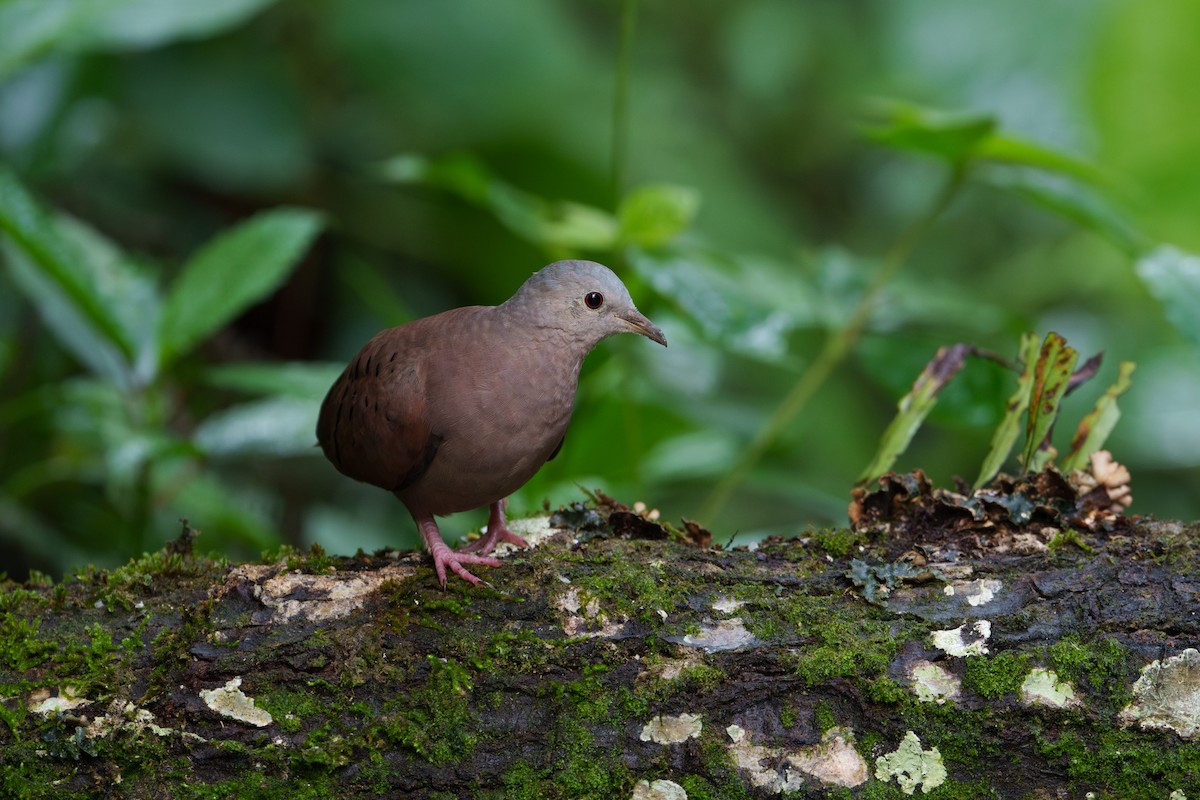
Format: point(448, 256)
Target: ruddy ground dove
point(458, 410)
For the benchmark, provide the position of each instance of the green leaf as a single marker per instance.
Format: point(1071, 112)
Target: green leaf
point(1173, 276)
point(556, 225)
point(31, 28)
point(913, 408)
point(273, 426)
point(1004, 149)
point(1079, 203)
point(951, 136)
point(1006, 432)
point(295, 379)
point(650, 216)
point(747, 305)
point(231, 273)
point(1094, 429)
point(1051, 375)
point(97, 303)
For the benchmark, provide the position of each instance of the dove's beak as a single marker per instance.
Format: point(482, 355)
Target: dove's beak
point(638, 323)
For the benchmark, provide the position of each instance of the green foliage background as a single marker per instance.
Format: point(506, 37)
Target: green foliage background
point(204, 207)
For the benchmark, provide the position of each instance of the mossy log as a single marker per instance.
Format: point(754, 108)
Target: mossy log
point(617, 659)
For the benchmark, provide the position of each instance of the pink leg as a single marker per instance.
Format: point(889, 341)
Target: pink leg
point(497, 531)
point(443, 556)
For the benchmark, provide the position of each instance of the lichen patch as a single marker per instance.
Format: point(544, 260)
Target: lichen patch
point(962, 641)
point(725, 634)
point(229, 701)
point(1167, 695)
point(933, 683)
point(833, 761)
point(727, 605)
point(66, 700)
point(976, 593)
point(309, 597)
point(534, 530)
point(1042, 687)
point(658, 790)
point(911, 766)
point(672, 729)
point(582, 616)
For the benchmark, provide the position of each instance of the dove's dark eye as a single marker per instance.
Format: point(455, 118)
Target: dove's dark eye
point(593, 300)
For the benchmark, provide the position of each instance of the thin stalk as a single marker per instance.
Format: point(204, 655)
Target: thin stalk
point(835, 349)
point(620, 130)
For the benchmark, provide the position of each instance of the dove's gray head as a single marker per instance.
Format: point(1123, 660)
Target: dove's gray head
point(584, 299)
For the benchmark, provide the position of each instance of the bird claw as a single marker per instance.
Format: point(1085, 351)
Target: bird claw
point(496, 534)
point(445, 557)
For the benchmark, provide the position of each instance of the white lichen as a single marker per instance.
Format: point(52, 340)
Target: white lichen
point(672, 729)
point(1167, 695)
point(725, 634)
point(534, 530)
point(727, 605)
point(911, 766)
point(68, 699)
point(1043, 688)
point(980, 592)
point(658, 790)
point(583, 616)
point(229, 701)
point(309, 597)
point(833, 761)
point(933, 683)
point(961, 643)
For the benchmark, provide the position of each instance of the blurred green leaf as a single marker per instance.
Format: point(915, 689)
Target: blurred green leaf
point(31, 28)
point(913, 408)
point(556, 225)
point(296, 379)
point(652, 215)
point(100, 305)
point(1004, 149)
point(1079, 203)
point(1094, 429)
point(273, 426)
point(948, 135)
point(747, 305)
point(1051, 375)
point(1173, 276)
point(1009, 427)
point(232, 272)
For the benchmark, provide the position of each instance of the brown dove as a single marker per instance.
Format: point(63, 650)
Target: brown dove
point(458, 410)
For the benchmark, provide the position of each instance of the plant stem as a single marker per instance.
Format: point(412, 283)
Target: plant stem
point(835, 349)
point(620, 129)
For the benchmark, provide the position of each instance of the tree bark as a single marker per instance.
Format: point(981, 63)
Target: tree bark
point(617, 659)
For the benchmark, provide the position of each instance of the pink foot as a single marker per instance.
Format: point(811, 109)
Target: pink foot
point(444, 557)
point(497, 531)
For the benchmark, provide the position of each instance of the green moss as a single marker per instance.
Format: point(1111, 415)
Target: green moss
point(823, 716)
point(1124, 763)
point(291, 708)
point(695, 679)
point(995, 676)
point(721, 778)
point(1103, 667)
point(436, 723)
point(838, 542)
point(584, 770)
point(625, 587)
point(843, 636)
point(314, 561)
point(21, 646)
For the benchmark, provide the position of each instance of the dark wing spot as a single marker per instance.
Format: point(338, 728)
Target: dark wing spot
point(557, 448)
point(422, 465)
